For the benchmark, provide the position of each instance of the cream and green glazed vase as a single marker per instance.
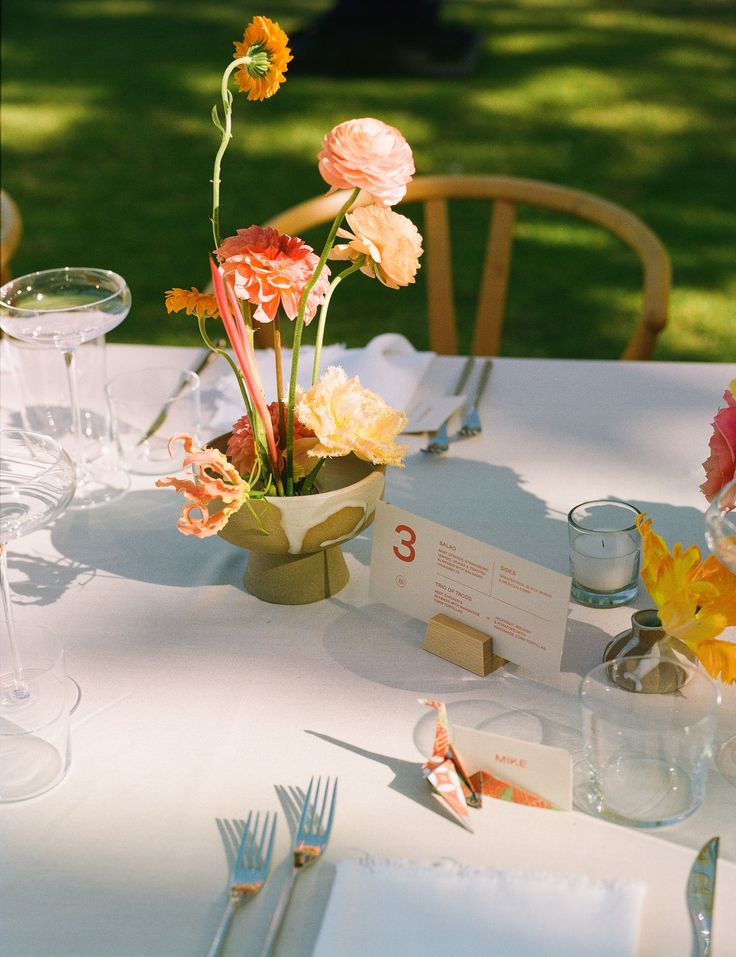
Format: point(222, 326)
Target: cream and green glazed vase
point(659, 673)
point(294, 542)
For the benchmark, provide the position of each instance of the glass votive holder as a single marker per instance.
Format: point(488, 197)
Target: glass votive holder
point(605, 553)
point(646, 754)
point(147, 407)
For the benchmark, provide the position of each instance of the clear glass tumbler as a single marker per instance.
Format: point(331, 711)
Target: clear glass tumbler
point(646, 754)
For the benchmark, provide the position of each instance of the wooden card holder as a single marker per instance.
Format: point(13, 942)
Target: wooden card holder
point(462, 645)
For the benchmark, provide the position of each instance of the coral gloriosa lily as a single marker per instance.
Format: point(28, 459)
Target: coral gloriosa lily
point(695, 599)
point(218, 485)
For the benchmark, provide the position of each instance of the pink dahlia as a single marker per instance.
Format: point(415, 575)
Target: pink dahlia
point(268, 269)
point(370, 155)
point(241, 447)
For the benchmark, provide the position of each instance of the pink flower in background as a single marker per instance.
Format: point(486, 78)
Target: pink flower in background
point(389, 242)
point(720, 466)
point(346, 418)
point(241, 447)
point(370, 155)
point(217, 481)
point(269, 269)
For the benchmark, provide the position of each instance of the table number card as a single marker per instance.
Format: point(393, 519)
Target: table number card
point(423, 569)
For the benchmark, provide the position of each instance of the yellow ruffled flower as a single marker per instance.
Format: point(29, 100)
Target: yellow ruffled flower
point(695, 599)
point(201, 304)
point(265, 45)
point(346, 418)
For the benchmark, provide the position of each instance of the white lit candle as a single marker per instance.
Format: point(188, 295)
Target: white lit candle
point(604, 562)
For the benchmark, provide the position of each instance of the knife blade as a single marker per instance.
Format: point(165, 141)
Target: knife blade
point(701, 885)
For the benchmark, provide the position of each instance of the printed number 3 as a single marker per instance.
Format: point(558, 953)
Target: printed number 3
point(406, 552)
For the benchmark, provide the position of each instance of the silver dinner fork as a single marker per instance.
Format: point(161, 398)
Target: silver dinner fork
point(439, 442)
point(249, 872)
point(471, 425)
point(310, 840)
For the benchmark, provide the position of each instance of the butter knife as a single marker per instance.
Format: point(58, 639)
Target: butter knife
point(700, 889)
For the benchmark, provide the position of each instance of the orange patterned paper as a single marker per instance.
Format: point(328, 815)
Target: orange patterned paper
point(445, 772)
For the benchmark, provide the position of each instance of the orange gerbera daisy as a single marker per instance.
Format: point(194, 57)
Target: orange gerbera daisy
point(201, 304)
point(265, 46)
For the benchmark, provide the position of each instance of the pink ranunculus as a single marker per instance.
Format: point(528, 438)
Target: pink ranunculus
point(720, 466)
point(268, 269)
point(388, 243)
point(370, 155)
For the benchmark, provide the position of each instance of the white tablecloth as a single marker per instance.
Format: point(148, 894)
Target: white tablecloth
point(201, 702)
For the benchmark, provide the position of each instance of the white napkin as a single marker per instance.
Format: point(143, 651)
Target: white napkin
point(389, 365)
point(379, 908)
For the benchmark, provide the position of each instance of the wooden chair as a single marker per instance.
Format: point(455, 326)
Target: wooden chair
point(506, 193)
point(10, 232)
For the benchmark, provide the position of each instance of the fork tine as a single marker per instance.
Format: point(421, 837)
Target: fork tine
point(269, 850)
point(305, 808)
point(328, 826)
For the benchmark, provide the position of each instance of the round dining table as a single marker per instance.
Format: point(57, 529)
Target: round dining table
point(201, 703)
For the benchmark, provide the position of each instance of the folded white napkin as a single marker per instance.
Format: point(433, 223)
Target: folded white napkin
point(379, 908)
point(389, 365)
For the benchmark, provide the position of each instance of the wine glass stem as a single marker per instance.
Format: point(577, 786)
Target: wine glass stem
point(80, 462)
point(18, 689)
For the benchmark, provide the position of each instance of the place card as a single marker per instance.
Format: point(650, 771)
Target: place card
point(538, 768)
point(427, 415)
point(425, 569)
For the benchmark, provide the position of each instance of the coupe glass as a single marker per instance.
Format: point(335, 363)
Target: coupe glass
point(37, 483)
point(63, 308)
point(720, 534)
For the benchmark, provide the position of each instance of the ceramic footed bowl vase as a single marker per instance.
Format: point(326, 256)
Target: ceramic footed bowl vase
point(663, 652)
point(294, 543)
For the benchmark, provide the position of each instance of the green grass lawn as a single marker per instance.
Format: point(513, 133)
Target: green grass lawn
point(108, 146)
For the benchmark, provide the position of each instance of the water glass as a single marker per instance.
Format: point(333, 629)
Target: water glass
point(605, 553)
point(646, 754)
point(35, 741)
point(147, 407)
point(43, 390)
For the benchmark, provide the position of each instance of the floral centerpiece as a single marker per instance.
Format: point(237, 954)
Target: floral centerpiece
point(278, 447)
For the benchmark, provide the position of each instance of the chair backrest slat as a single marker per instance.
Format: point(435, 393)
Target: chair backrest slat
point(507, 192)
point(440, 293)
point(495, 280)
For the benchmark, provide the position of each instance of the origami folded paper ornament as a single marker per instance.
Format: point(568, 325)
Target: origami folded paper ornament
point(460, 791)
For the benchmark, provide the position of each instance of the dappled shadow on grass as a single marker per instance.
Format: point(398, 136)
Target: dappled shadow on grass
point(629, 102)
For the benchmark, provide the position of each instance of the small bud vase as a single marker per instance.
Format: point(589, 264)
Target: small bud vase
point(663, 654)
point(294, 542)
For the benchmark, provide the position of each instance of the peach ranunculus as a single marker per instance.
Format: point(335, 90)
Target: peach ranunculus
point(370, 155)
point(720, 466)
point(346, 418)
point(389, 244)
point(269, 269)
point(217, 481)
point(241, 448)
